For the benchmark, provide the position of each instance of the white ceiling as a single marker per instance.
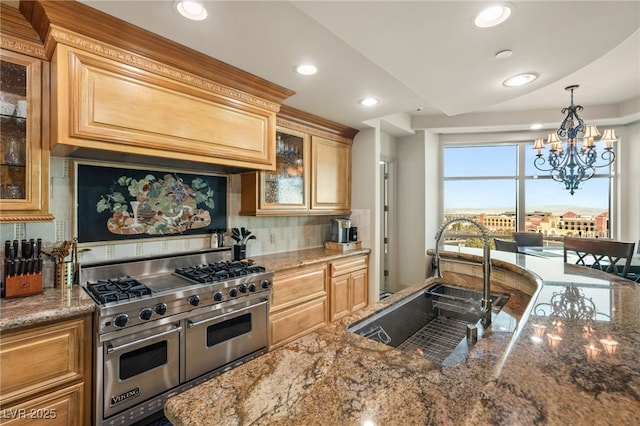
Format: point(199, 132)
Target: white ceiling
point(421, 54)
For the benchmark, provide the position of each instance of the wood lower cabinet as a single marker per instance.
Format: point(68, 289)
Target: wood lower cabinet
point(46, 374)
point(349, 286)
point(299, 303)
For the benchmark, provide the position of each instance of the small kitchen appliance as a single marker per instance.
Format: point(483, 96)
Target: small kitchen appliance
point(340, 230)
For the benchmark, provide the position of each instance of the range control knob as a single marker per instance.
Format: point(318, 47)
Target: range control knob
point(194, 300)
point(217, 296)
point(161, 308)
point(243, 288)
point(121, 320)
point(145, 314)
point(252, 287)
point(233, 292)
point(264, 284)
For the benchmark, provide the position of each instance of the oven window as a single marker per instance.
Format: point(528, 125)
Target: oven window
point(143, 359)
point(228, 329)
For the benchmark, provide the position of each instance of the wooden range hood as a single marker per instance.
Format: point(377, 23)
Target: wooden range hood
point(121, 91)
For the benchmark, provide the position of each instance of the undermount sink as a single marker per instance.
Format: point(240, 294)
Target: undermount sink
point(431, 322)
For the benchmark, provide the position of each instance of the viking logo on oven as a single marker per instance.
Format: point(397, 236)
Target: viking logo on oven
point(117, 399)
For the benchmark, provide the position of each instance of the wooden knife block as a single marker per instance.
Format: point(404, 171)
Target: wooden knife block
point(22, 285)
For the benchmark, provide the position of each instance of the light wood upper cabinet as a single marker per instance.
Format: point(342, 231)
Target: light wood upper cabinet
point(312, 180)
point(286, 189)
point(100, 103)
point(24, 161)
point(331, 176)
point(122, 93)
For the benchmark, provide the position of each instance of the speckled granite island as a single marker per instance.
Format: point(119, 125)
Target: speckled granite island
point(531, 367)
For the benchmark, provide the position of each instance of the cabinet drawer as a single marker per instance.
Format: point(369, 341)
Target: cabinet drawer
point(347, 265)
point(59, 408)
point(41, 358)
point(292, 323)
point(291, 288)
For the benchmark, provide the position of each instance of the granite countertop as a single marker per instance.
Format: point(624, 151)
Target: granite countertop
point(53, 304)
point(57, 304)
point(518, 376)
point(301, 258)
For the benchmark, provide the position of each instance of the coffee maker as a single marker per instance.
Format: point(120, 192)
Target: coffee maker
point(340, 230)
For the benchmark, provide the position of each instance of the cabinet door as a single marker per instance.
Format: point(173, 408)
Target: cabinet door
point(331, 179)
point(59, 408)
point(52, 355)
point(291, 288)
point(359, 294)
point(289, 324)
point(104, 104)
point(340, 297)
point(24, 164)
point(286, 189)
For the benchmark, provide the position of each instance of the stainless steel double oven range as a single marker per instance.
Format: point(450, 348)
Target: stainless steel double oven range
point(165, 324)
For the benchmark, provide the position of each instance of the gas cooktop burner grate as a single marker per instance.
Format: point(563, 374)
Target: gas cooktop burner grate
point(115, 289)
point(219, 271)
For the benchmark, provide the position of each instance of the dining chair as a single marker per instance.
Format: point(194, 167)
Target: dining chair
point(524, 239)
point(607, 255)
point(504, 245)
point(634, 270)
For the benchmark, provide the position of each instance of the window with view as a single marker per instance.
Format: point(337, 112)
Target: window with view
point(485, 183)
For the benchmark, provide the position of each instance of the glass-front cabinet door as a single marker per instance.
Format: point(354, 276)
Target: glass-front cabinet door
point(24, 167)
point(287, 187)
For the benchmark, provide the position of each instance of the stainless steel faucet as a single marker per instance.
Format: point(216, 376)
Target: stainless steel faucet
point(486, 264)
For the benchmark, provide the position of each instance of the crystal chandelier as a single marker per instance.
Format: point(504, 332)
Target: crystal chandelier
point(571, 164)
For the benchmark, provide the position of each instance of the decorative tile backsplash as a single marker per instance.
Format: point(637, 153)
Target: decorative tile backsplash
point(273, 234)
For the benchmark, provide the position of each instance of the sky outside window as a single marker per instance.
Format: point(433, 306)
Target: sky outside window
point(484, 191)
point(480, 161)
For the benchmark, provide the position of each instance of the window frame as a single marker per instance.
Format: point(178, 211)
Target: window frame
point(521, 178)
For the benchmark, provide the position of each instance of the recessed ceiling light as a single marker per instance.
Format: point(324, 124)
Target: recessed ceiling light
point(368, 101)
point(520, 79)
point(306, 69)
point(503, 54)
point(190, 9)
point(536, 126)
point(493, 15)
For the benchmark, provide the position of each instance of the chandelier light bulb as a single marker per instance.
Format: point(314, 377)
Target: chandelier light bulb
point(610, 346)
point(609, 137)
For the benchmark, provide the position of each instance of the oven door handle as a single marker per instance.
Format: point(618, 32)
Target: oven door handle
point(112, 349)
point(191, 324)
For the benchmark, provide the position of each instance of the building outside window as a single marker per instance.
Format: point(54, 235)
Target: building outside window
point(499, 186)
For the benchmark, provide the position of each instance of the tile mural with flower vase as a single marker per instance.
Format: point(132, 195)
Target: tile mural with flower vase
point(135, 203)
